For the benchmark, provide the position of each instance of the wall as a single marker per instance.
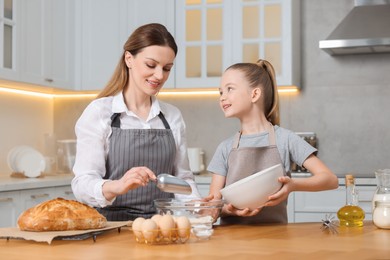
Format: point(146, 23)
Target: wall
point(23, 121)
point(344, 98)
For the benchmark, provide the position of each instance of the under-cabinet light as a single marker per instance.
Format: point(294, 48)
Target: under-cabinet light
point(165, 92)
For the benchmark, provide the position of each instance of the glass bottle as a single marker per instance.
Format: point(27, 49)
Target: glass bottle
point(381, 214)
point(351, 215)
point(382, 192)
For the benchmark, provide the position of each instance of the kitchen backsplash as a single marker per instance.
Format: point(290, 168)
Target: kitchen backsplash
point(342, 100)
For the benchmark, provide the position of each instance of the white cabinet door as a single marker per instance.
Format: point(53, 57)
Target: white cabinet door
point(103, 28)
point(9, 39)
point(30, 198)
point(9, 208)
point(47, 48)
point(204, 36)
point(312, 206)
point(204, 189)
point(213, 35)
point(162, 11)
point(268, 30)
point(100, 39)
point(65, 192)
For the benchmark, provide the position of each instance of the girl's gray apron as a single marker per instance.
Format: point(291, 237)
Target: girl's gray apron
point(153, 148)
point(243, 162)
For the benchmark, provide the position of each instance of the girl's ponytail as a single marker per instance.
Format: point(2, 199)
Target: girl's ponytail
point(271, 97)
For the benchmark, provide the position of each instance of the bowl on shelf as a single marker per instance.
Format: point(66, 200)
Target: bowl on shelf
point(201, 214)
point(252, 192)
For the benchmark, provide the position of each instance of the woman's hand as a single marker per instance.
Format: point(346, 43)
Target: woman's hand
point(132, 179)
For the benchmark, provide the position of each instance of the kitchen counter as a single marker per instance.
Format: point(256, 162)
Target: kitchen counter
point(292, 241)
point(8, 183)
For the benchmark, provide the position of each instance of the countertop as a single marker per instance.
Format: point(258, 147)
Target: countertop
point(8, 183)
point(292, 241)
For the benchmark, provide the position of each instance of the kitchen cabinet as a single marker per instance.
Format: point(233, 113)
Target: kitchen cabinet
point(10, 208)
point(213, 35)
point(313, 206)
point(103, 28)
point(64, 192)
point(13, 203)
point(203, 183)
point(47, 43)
point(9, 39)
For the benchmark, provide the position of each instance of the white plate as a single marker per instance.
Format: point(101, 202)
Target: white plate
point(253, 191)
point(28, 161)
point(12, 155)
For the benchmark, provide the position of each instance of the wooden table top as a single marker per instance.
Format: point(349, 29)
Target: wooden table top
point(292, 241)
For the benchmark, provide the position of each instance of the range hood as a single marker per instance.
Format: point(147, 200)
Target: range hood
point(366, 29)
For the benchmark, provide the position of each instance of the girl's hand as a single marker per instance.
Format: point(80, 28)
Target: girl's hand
point(229, 209)
point(282, 194)
point(208, 198)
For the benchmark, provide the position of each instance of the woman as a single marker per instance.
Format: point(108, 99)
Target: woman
point(126, 136)
point(249, 93)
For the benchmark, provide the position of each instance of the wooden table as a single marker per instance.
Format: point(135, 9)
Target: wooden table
point(292, 241)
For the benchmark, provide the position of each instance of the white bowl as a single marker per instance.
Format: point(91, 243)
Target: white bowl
point(252, 192)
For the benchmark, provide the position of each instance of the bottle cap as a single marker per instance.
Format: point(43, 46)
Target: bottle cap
point(349, 180)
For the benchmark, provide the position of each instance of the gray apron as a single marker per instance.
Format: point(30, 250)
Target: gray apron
point(245, 161)
point(153, 148)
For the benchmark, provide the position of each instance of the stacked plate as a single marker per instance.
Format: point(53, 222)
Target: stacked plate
point(26, 160)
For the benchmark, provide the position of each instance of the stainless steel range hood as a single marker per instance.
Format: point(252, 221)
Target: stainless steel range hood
point(366, 29)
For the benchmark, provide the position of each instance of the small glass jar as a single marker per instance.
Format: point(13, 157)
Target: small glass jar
point(381, 214)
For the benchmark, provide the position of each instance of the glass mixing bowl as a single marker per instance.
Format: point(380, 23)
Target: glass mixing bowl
point(201, 214)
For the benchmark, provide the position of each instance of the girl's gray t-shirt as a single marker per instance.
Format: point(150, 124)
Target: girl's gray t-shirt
point(290, 146)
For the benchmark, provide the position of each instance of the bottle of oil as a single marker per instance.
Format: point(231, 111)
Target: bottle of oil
point(351, 215)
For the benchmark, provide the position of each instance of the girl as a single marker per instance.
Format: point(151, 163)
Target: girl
point(249, 92)
point(126, 136)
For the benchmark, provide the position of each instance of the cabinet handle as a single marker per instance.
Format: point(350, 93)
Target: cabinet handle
point(68, 193)
point(6, 199)
point(48, 80)
point(37, 196)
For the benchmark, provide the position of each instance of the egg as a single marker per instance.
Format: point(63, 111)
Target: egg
point(157, 218)
point(149, 230)
point(136, 226)
point(184, 226)
point(167, 226)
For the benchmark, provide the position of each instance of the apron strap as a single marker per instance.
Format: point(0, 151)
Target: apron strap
point(115, 122)
point(271, 135)
point(165, 122)
point(237, 140)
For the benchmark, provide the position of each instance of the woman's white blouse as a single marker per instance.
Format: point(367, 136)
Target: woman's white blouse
point(93, 130)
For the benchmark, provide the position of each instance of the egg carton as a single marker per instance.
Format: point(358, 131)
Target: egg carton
point(157, 236)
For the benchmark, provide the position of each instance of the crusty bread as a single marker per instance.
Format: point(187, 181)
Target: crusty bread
point(59, 215)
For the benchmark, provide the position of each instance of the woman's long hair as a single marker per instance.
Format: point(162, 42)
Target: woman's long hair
point(144, 36)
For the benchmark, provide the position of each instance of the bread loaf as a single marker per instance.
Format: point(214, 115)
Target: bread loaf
point(59, 215)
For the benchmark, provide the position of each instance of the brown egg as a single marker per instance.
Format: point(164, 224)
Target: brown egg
point(156, 218)
point(149, 230)
point(167, 226)
point(184, 226)
point(136, 226)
